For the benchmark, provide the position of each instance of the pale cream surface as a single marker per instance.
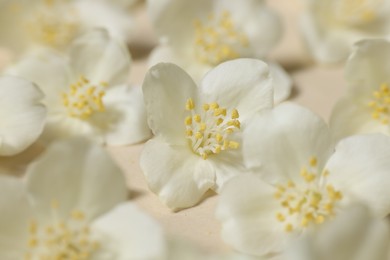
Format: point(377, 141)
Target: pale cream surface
point(315, 87)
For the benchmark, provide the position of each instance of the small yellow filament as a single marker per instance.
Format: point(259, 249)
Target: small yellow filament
point(380, 105)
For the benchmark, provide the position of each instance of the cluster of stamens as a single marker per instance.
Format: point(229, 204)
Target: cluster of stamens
point(49, 26)
point(357, 10)
point(209, 130)
point(310, 203)
point(84, 98)
point(65, 239)
point(218, 40)
point(380, 104)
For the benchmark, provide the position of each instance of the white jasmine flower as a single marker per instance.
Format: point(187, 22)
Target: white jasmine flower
point(199, 35)
point(305, 181)
point(198, 129)
point(22, 114)
point(87, 92)
point(65, 210)
point(55, 23)
point(331, 27)
point(366, 106)
point(353, 235)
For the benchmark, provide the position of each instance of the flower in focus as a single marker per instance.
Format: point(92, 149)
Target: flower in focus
point(55, 23)
point(300, 181)
point(331, 27)
point(199, 35)
point(22, 112)
point(65, 212)
point(366, 106)
point(353, 235)
point(87, 92)
point(197, 143)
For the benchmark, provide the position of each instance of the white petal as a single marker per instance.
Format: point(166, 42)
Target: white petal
point(244, 84)
point(15, 214)
point(176, 174)
point(367, 67)
point(279, 142)
point(281, 81)
point(76, 174)
point(124, 120)
point(99, 57)
point(131, 233)
point(247, 209)
point(350, 116)
point(23, 115)
point(166, 89)
point(360, 169)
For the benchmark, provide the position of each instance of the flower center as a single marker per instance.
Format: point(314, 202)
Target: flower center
point(380, 104)
point(218, 40)
point(62, 238)
point(83, 98)
point(356, 11)
point(310, 203)
point(54, 23)
point(209, 130)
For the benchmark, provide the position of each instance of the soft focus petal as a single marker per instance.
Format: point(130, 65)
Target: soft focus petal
point(99, 57)
point(178, 176)
point(244, 84)
point(76, 174)
point(166, 89)
point(281, 81)
point(23, 115)
point(124, 120)
point(279, 142)
point(350, 117)
point(15, 214)
point(246, 210)
point(130, 233)
point(360, 168)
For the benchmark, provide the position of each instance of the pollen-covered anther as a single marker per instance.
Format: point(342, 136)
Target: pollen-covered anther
point(217, 39)
point(309, 202)
point(84, 98)
point(208, 130)
point(60, 238)
point(380, 104)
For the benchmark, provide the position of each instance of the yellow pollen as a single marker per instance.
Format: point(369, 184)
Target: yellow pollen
point(356, 12)
point(380, 105)
point(217, 39)
point(208, 132)
point(309, 202)
point(84, 99)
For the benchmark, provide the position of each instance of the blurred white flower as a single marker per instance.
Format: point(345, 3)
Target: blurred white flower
point(353, 235)
point(199, 35)
point(302, 180)
point(64, 210)
point(366, 106)
point(87, 92)
point(22, 114)
point(331, 27)
point(55, 23)
point(198, 129)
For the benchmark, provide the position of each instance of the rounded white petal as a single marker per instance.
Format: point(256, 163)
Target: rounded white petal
point(130, 233)
point(124, 120)
point(166, 89)
point(15, 214)
point(76, 174)
point(175, 173)
point(278, 143)
point(244, 84)
point(23, 115)
point(360, 169)
point(350, 116)
point(99, 57)
point(281, 81)
point(246, 209)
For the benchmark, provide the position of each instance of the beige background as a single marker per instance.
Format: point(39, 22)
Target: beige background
point(316, 87)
